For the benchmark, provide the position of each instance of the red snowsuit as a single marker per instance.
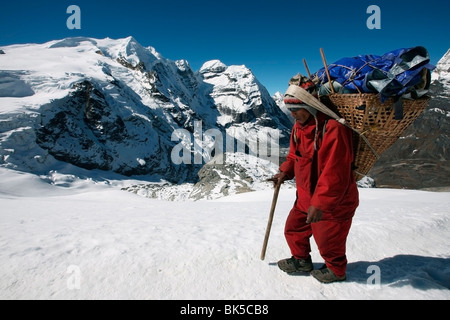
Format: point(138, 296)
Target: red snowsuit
point(324, 180)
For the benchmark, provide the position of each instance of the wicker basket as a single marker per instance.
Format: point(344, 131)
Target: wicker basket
point(377, 122)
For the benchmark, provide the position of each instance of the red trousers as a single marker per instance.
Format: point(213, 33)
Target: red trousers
point(330, 237)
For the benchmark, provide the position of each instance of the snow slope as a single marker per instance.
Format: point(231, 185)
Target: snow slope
point(67, 238)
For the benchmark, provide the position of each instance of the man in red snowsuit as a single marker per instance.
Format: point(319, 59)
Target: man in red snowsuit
point(320, 158)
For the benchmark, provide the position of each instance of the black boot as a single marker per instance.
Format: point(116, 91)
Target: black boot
point(325, 275)
point(293, 265)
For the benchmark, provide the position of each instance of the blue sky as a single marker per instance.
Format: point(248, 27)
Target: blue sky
point(270, 37)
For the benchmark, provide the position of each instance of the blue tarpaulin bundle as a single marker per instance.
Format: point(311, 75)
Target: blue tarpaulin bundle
point(399, 73)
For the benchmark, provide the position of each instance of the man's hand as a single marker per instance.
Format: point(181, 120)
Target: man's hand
point(279, 179)
point(314, 215)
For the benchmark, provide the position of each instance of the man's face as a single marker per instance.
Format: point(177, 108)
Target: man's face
point(301, 115)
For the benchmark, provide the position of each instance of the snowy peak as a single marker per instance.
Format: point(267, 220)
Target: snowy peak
point(128, 49)
point(133, 52)
point(212, 67)
point(240, 98)
point(228, 74)
point(117, 106)
point(442, 71)
point(71, 42)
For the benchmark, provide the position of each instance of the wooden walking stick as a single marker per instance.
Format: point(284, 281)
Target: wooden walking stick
point(269, 224)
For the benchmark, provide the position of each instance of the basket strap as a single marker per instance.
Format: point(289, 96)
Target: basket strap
point(310, 100)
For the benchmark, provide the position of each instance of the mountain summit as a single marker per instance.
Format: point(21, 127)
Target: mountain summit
point(117, 106)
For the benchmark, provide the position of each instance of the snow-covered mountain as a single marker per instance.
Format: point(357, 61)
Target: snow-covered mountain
point(117, 106)
point(442, 74)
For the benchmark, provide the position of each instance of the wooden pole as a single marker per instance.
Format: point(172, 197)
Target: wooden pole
point(327, 71)
point(307, 69)
point(269, 224)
